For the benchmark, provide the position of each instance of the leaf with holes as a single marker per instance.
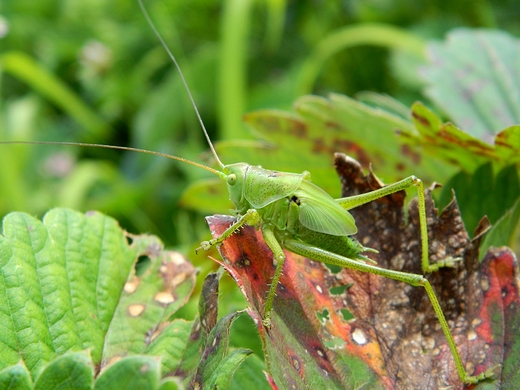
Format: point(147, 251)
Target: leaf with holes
point(74, 310)
point(393, 339)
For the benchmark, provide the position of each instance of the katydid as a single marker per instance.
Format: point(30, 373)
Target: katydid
point(295, 214)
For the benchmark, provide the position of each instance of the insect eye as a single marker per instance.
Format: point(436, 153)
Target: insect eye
point(232, 179)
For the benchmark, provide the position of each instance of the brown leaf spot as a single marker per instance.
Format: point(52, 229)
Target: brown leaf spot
point(319, 146)
point(175, 269)
point(414, 156)
point(296, 362)
point(421, 119)
point(132, 285)
point(136, 310)
point(298, 129)
point(164, 298)
point(334, 125)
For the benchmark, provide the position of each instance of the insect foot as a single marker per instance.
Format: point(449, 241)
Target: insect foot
point(448, 262)
point(488, 374)
point(267, 322)
point(205, 245)
point(251, 217)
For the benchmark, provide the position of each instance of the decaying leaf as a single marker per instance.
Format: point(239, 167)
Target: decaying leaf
point(394, 340)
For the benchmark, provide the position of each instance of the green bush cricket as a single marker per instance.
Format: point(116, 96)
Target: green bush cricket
point(294, 214)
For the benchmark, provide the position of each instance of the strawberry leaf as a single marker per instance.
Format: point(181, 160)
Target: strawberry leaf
point(479, 92)
point(75, 310)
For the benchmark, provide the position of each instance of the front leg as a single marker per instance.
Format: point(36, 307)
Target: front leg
point(251, 217)
point(278, 260)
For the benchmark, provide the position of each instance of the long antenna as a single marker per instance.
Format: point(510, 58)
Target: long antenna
point(172, 57)
point(127, 148)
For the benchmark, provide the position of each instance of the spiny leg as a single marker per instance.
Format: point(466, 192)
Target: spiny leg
point(251, 217)
point(412, 181)
point(279, 258)
point(324, 256)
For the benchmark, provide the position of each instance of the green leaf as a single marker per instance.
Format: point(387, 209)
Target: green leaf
point(308, 139)
point(170, 344)
point(217, 364)
point(200, 330)
point(131, 373)
point(147, 303)
point(15, 378)
point(250, 375)
point(70, 371)
point(222, 375)
point(481, 93)
point(207, 361)
point(208, 196)
point(445, 142)
point(70, 284)
point(505, 230)
point(483, 193)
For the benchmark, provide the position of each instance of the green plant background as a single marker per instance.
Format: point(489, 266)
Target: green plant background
point(92, 71)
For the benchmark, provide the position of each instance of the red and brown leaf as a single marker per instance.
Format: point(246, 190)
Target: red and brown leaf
point(394, 340)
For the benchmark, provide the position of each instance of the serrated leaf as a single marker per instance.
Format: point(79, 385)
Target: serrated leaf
point(15, 377)
point(206, 360)
point(69, 284)
point(71, 371)
point(444, 141)
point(481, 93)
point(322, 126)
point(147, 303)
point(171, 383)
point(307, 139)
point(222, 375)
point(216, 355)
point(394, 340)
point(250, 375)
point(170, 344)
point(295, 350)
point(131, 373)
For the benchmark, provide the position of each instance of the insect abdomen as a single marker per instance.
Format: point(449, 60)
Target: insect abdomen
point(343, 245)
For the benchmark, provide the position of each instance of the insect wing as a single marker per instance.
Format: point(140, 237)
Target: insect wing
point(320, 212)
point(262, 186)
